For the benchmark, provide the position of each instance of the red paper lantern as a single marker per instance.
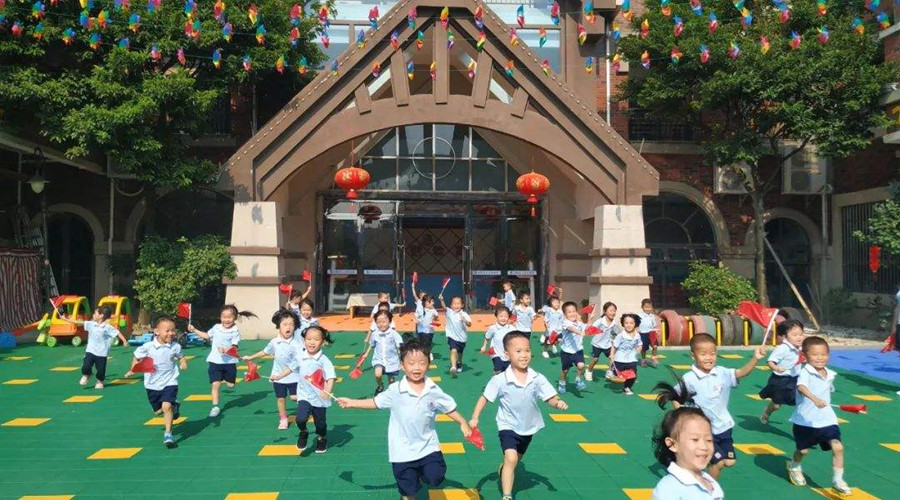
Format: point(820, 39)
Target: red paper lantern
point(874, 258)
point(532, 185)
point(352, 179)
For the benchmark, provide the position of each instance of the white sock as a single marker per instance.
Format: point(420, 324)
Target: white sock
point(838, 475)
point(795, 465)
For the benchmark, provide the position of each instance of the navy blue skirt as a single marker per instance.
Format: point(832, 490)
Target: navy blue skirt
point(781, 389)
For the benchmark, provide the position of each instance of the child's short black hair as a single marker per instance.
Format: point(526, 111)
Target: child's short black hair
point(669, 427)
point(296, 294)
point(163, 319)
point(524, 293)
point(607, 305)
point(813, 341)
point(104, 311)
point(237, 314)
point(701, 338)
point(569, 303)
point(326, 335)
point(787, 325)
point(282, 314)
point(514, 335)
point(635, 317)
point(645, 302)
point(457, 297)
point(426, 298)
point(551, 298)
point(308, 303)
point(414, 346)
point(382, 312)
point(383, 295)
point(501, 309)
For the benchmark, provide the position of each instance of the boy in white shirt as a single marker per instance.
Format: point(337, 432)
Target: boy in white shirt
point(97, 351)
point(457, 336)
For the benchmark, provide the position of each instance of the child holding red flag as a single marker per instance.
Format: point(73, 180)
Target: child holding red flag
point(386, 342)
point(509, 295)
point(785, 362)
point(524, 314)
point(602, 342)
point(572, 346)
point(625, 349)
point(815, 423)
point(161, 379)
point(414, 403)
point(296, 299)
point(283, 349)
point(224, 339)
point(305, 317)
point(457, 321)
point(97, 351)
point(517, 392)
point(425, 320)
point(494, 335)
point(649, 330)
point(553, 318)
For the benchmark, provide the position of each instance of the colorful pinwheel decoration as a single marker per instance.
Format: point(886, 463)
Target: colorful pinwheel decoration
point(68, 35)
point(764, 44)
point(872, 5)
point(253, 14)
point(219, 10)
point(180, 56)
point(696, 7)
point(373, 17)
point(713, 23)
point(824, 34)
point(410, 70)
point(520, 15)
point(326, 41)
point(746, 19)
point(473, 67)
point(85, 21)
point(479, 44)
point(675, 55)
point(545, 67)
point(38, 10)
point(821, 7)
point(645, 60)
point(796, 39)
point(227, 32)
point(858, 27)
point(294, 36)
point(734, 50)
point(93, 41)
point(103, 18)
point(883, 20)
point(627, 13)
point(360, 39)
point(279, 65)
point(645, 28)
point(38, 32)
point(155, 54)
point(664, 8)
point(679, 26)
point(451, 40)
point(616, 31)
point(217, 58)
point(120, 5)
point(588, 10)
point(616, 62)
point(420, 40)
point(513, 37)
point(376, 70)
point(445, 18)
point(296, 12)
point(395, 40)
point(261, 34)
point(554, 12)
point(582, 34)
point(247, 63)
point(134, 23)
point(704, 54)
point(411, 18)
point(432, 70)
point(784, 14)
point(302, 66)
point(510, 68)
point(479, 18)
point(323, 15)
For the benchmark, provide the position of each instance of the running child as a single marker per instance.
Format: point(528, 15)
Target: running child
point(457, 321)
point(625, 349)
point(222, 337)
point(524, 314)
point(683, 443)
point(417, 297)
point(785, 363)
point(306, 316)
point(382, 306)
point(162, 383)
point(415, 401)
point(295, 302)
point(386, 342)
point(494, 335)
point(509, 296)
point(97, 351)
point(385, 298)
point(602, 342)
point(424, 327)
point(283, 349)
point(572, 346)
point(517, 392)
point(553, 318)
point(710, 387)
point(815, 423)
point(649, 330)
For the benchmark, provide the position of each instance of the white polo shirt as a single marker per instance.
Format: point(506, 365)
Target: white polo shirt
point(219, 337)
point(419, 308)
point(681, 484)
point(304, 324)
point(711, 393)
point(283, 351)
point(456, 326)
point(572, 342)
point(509, 299)
point(807, 413)
point(386, 346)
point(165, 360)
point(627, 347)
point(524, 318)
point(553, 319)
point(305, 365)
point(98, 337)
point(411, 433)
point(786, 356)
point(604, 339)
point(496, 333)
point(423, 322)
point(517, 408)
point(648, 322)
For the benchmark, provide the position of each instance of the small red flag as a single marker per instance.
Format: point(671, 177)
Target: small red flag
point(415, 277)
point(553, 338)
point(551, 289)
point(436, 323)
point(513, 318)
point(252, 372)
point(591, 331)
point(874, 258)
point(627, 374)
point(890, 343)
point(588, 309)
point(854, 408)
point(232, 351)
point(801, 359)
point(356, 373)
point(757, 313)
point(445, 282)
point(306, 276)
point(144, 366)
point(476, 438)
point(493, 302)
point(286, 289)
point(57, 301)
point(317, 379)
point(184, 310)
point(489, 352)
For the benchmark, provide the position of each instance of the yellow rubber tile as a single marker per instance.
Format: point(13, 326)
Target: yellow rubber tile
point(188, 358)
point(435, 379)
point(15, 358)
point(20, 381)
point(454, 494)
point(434, 367)
point(857, 494)
point(82, 399)
point(598, 366)
point(443, 418)
point(341, 367)
point(638, 493)
point(731, 356)
point(681, 367)
point(63, 369)
point(602, 448)
point(871, 397)
point(452, 448)
point(660, 356)
point(892, 446)
point(648, 397)
point(754, 396)
point(47, 497)
point(567, 417)
point(763, 368)
point(124, 381)
point(25, 422)
point(199, 397)
point(267, 357)
point(338, 380)
point(345, 356)
point(162, 421)
point(293, 418)
point(242, 367)
point(842, 421)
point(279, 450)
point(252, 496)
point(114, 453)
point(759, 449)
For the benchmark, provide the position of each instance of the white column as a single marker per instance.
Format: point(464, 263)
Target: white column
point(619, 257)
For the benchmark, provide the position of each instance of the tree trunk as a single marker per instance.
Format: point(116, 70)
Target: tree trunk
point(150, 199)
point(759, 247)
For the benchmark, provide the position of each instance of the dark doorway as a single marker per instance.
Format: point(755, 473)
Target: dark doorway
point(71, 251)
point(792, 246)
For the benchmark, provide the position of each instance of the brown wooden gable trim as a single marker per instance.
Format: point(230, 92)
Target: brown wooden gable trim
point(363, 100)
point(441, 87)
point(399, 82)
point(519, 102)
point(483, 73)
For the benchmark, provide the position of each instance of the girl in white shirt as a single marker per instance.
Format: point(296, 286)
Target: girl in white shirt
point(684, 444)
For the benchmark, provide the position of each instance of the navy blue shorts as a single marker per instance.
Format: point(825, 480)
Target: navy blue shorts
point(499, 364)
point(509, 440)
point(809, 437)
point(284, 390)
point(168, 394)
point(569, 360)
point(222, 372)
point(645, 341)
point(723, 447)
point(425, 338)
point(458, 346)
point(385, 372)
point(429, 469)
point(781, 389)
point(597, 351)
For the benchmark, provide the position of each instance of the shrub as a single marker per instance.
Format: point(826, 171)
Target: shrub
point(716, 290)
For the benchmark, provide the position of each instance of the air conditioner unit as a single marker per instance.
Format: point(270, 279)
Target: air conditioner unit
point(728, 180)
point(115, 171)
point(804, 173)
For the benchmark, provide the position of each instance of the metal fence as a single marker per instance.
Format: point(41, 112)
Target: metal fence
point(219, 119)
point(857, 276)
point(644, 126)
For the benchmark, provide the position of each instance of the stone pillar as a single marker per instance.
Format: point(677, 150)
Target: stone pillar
point(256, 247)
point(619, 258)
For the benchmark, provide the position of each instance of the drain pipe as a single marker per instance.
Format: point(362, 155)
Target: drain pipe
point(608, 83)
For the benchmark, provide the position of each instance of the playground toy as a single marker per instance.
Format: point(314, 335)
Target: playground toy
point(121, 313)
point(74, 307)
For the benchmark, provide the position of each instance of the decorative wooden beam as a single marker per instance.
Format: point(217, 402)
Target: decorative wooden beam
point(519, 102)
point(363, 101)
point(441, 87)
point(483, 75)
point(399, 83)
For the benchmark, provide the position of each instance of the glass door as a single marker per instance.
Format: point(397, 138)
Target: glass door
point(523, 252)
point(484, 266)
point(433, 247)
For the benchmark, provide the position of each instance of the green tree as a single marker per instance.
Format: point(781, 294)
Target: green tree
point(762, 108)
point(716, 290)
point(884, 225)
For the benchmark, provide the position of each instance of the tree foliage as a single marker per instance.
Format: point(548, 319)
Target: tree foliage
point(716, 290)
point(121, 102)
point(884, 225)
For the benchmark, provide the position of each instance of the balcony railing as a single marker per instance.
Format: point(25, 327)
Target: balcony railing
point(643, 126)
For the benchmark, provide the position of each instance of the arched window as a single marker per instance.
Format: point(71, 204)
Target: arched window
point(677, 231)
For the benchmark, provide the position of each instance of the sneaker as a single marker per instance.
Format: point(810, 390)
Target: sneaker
point(84, 380)
point(643, 363)
point(579, 384)
point(628, 392)
point(589, 375)
point(282, 423)
point(176, 410)
point(321, 445)
point(214, 412)
point(459, 369)
point(506, 497)
point(545, 354)
point(98, 385)
point(453, 372)
point(169, 441)
point(841, 487)
point(610, 375)
point(796, 475)
point(303, 441)
point(561, 388)
point(654, 362)
point(554, 351)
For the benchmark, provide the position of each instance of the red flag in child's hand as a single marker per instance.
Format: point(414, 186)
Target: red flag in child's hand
point(445, 282)
point(493, 302)
point(801, 359)
point(489, 352)
point(757, 313)
point(853, 408)
point(889, 344)
point(553, 337)
point(232, 351)
point(476, 438)
point(184, 310)
point(286, 289)
point(550, 289)
point(144, 366)
point(57, 301)
point(306, 276)
point(436, 323)
point(317, 379)
point(356, 373)
point(627, 374)
point(415, 277)
point(588, 309)
point(252, 372)
point(513, 319)
point(591, 331)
